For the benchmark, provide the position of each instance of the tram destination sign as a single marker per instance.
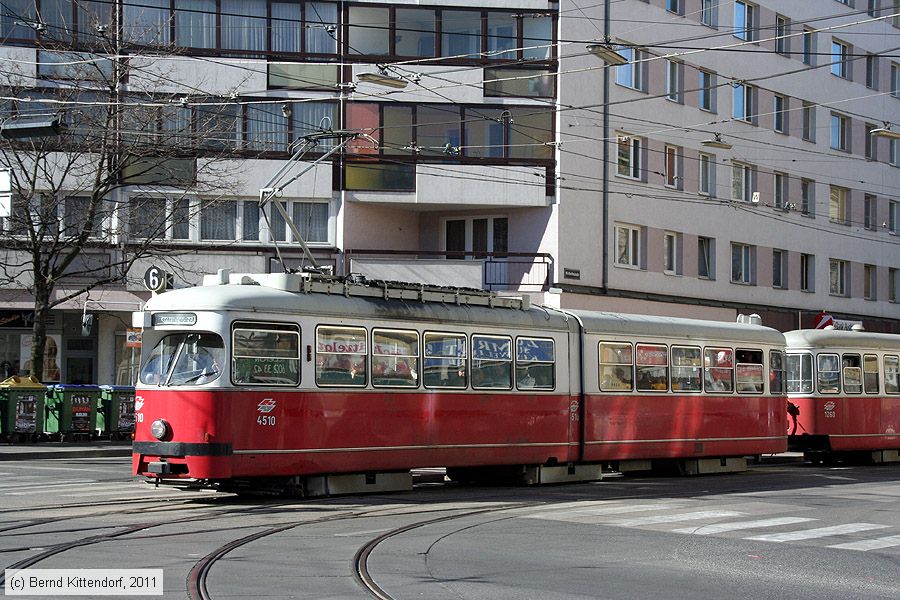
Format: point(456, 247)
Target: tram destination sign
point(174, 319)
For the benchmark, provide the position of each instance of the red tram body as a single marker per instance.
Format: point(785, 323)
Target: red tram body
point(266, 378)
point(844, 393)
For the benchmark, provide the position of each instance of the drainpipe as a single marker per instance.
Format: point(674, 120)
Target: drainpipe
point(605, 193)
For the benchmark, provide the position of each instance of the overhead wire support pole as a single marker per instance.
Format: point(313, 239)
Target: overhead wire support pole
point(274, 186)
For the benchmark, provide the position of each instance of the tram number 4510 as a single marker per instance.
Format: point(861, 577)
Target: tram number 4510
point(266, 420)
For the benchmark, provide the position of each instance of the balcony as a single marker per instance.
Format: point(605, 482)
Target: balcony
point(495, 271)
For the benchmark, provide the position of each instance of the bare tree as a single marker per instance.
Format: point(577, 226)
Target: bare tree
point(72, 227)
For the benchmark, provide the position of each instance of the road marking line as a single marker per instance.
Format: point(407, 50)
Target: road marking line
point(691, 516)
point(601, 510)
point(32, 485)
point(808, 534)
point(724, 527)
point(876, 544)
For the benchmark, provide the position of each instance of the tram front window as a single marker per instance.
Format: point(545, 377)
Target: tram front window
point(185, 359)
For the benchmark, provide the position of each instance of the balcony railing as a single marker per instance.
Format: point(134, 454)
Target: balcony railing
point(501, 271)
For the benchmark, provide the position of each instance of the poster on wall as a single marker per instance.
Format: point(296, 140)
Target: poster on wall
point(51, 357)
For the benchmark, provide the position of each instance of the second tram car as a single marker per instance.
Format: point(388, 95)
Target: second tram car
point(273, 380)
point(844, 393)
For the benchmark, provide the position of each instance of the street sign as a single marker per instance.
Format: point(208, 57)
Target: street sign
point(155, 279)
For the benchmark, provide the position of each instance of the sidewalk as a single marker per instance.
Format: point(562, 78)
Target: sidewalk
point(65, 450)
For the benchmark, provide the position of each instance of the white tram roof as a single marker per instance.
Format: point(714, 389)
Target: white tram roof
point(291, 295)
point(278, 304)
point(837, 338)
point(605, 323)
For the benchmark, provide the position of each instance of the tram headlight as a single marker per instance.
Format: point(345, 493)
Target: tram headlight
point(159, 429)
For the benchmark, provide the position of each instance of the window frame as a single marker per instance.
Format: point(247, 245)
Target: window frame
point(820, 371)
point(268, 327)
point(806, 381)
point(651, 386)
point(414, 372)
point(518, 361)
point(510, 370)
point(840, 58)
point(365, 357)
point(746, 275)
point(838, 286)
point(465, 358)
point(607, 368)
point(694, 368)
point(633, 246)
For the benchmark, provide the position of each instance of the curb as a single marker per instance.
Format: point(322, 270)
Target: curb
point(63, 453)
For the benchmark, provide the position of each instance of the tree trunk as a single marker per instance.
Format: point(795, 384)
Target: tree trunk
point(39, 331)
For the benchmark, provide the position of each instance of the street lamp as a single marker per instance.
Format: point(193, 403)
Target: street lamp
point(605, 51)
point(886, 132)
point(717, 142)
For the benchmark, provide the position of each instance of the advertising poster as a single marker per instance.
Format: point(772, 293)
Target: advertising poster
point(51, 357)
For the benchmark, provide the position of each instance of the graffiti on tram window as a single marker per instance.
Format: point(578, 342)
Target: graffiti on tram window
point(491, 362)
point(530, 349)
point(266, 356)
point(341, 356)
point(892, 374)
point(395, 358)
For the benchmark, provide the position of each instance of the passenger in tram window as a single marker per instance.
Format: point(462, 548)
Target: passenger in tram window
point(527, 380)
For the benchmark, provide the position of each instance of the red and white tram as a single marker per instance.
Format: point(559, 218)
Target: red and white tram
point(844, 393)
point(280, 380)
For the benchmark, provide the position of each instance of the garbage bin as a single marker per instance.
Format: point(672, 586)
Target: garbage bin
point(22, 407)
point(116, 419)
point(72, 410)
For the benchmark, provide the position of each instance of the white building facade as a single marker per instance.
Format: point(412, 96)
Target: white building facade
point(728, 167)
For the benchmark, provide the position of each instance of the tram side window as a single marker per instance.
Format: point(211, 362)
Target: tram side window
point(687, 364)
point(265, 354)
point(829, 371)
point(395, 358)
point(776, 372)
point(652, 365)
point(718, 372)
point(445, 360)
point(491, 362)
point(341, 356)
point(616, 367)
point(891, 374)
point(535, 364)
point(852, 373)
point(749, 371)
point(871, 376)
point(799, 373)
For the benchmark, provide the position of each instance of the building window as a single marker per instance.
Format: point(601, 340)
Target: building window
point(707, 177)
point(840, 132)
point(742, 102)
point(673, 80)
point(872, 8)
point(673, 167)
point(780, 114)
point(708, 10)
point(707, 90)
point(895, 80)
point(808, 197)
point(809, 47)
point(894, 152)
point(742, 263)
point(311, 219)
point(838, 277)
point(893, 284)
point(742, 182)
point(809, 122)
point(872, 71)
point(706, 258)
point(870, 212)
point(218, 220)
point(628, 246)
point(779, 268)
point(870, 282)
point(159, 218)
point(837, 206)
point(871, 143)
point(75, 216)
point(670, 252)
point(780, 191)
point(840, 59)
point(894, 217)
point(629, 156)
point(807, 273)
point(782, 30)
point(744, 21)
point(631, 74)
point(674, 6)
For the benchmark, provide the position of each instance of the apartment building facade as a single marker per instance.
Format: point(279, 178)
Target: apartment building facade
point(484, 145)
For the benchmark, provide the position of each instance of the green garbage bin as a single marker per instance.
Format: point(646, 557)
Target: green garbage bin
point(72, 410)
point(116, 419)
point(21, 407)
